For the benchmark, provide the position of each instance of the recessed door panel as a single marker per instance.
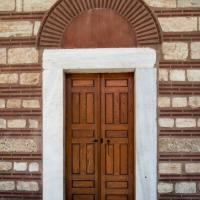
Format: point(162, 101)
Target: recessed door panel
point(81, 132)
point(99, 137)
point(117, 169)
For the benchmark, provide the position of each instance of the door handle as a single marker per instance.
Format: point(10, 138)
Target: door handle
point(95, 140)
point(108, 141)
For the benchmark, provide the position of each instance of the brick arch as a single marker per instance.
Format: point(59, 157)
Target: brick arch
point(136, 13)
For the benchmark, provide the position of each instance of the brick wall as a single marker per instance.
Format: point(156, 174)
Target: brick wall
point(178, 100)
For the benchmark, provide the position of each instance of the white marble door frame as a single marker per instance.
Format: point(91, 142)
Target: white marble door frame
point(138, 60)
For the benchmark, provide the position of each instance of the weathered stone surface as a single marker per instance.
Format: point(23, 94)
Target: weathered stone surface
point(18, 5)
point(7, 185)
point(164, 187)
point(193, 75)
point(20, 166)
point(166, 122)
point(2, 103)
point(27, 186)
point(194, 101)
point(18, 145)
point(163, 75)
point(33, 123)
point(178, 102)
point(5, 166)
point(16, 123)
point(178, 24)
point(7, 5)
point(198, 122)
point(179, 145)
point(16, 28)
point(2, 123)
point(33, 167)
point(185, 122)
point(177, 75)
point(175, 50)
point(164, 102)
point(192, 167)
point(162, 3)
point(38, 5)
point(22, 55)
point(2, 56)
point(170, 168)
point(36, 27)
point(13, 103)
point(188, 3)
point(31, 104)
point(195, 50)
point(185, 187)
point(8, 78)
point(29, 78)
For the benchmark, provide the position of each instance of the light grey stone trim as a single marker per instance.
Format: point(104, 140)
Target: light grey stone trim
point(58, 62)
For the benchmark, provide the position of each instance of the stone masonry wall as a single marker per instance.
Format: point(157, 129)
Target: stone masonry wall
point(178, 100)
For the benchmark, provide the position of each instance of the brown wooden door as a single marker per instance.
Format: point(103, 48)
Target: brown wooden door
point(99, 137)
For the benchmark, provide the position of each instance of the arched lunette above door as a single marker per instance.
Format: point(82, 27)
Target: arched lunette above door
point(99, 23)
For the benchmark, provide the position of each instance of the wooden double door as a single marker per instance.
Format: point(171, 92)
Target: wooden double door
point(99, 137)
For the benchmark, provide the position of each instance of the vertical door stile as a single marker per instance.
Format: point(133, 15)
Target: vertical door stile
point(98, 109)
point(102, 115)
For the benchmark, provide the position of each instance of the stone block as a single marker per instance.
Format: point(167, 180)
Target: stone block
point(7, 185)
point(164, 187)
point(2, 123)
point(19, 5)
point(16, 28)
point(179, 145)
point(33, 123)
point(20, 166)
point(2, 55)
point(26, 55)
point(192, 168)
point(33, 167)
point(5, 166)
point(185, 122)
point(13, 103)
point(31, 103)
point(162, 3)
point(7, 5)
point(175, 50)
point(16, 123)
point(38, 5)
point(8, 78)
point(195, 50)
point(177, 75)
point(198, 122)
point(166, 122)
point(179, 102)
point(29, 78)
point(27, 186)
point(193, 75)
point(2, 103)
point(36, 27)
point(170, 168)
point(18, 145)
point(188, 3)
point(194, 101)
point(185, 187)
point(164, 102)
point(178, 24)
point(163, 75)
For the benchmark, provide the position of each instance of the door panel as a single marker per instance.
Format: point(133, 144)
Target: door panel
point(99, 137)
point(82, 131)
point(117, 133)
